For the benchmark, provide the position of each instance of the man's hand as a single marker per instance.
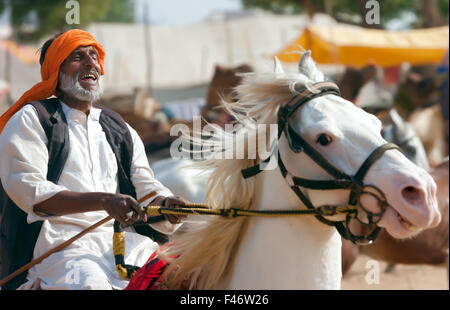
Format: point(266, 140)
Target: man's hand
point(124, 209)
point(171, 202)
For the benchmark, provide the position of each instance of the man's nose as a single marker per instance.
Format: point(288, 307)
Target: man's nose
point(90, 62)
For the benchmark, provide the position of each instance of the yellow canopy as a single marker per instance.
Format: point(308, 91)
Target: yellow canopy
point(356, 46)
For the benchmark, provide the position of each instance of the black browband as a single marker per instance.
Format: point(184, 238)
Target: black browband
point(342, 180)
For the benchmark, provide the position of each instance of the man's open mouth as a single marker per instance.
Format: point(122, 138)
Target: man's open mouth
point(88, 77)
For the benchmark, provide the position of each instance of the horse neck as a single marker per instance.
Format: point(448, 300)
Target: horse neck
point(285, 252)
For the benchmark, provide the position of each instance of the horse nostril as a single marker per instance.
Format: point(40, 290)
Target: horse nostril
point(413, 195)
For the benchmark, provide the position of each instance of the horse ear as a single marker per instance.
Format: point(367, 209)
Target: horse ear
point(278, 67)
point(307, 67)
point(304, 63)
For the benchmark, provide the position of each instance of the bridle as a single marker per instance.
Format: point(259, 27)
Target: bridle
point(341, 180)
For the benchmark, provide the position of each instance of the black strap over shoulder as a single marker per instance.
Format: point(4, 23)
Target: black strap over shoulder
point(119, 137)
point(54, 123)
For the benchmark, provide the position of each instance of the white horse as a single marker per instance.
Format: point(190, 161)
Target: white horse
point(297, 252)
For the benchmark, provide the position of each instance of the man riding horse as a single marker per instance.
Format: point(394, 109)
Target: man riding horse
point(66, 163)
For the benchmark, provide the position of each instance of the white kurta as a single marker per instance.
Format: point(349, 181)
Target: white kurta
point(88, 263)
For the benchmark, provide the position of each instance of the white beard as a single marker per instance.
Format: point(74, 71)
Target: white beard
point(72, 87)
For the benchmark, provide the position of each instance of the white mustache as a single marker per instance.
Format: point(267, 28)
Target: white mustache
point(71, 85)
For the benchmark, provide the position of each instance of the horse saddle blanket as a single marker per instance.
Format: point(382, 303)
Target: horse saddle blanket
point(148, 277)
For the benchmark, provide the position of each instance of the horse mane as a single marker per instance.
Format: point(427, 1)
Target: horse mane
point(204, 252)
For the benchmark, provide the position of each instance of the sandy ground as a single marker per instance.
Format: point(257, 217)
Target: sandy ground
point(403, 277)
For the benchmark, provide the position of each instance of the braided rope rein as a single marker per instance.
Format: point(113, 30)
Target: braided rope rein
point(127, 271)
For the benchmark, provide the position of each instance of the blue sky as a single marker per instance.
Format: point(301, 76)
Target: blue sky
point(179, 12)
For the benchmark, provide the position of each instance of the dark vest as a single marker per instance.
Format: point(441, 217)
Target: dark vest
point(17, 237)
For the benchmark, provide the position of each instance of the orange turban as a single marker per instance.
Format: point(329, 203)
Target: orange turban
point(56, 53)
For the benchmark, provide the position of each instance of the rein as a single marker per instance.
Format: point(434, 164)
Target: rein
point(202, 209)
point(127, 271)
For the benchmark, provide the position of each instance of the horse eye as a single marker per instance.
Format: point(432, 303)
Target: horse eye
point(324, 139)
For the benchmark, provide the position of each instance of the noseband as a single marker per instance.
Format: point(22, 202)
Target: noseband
point(341, 180)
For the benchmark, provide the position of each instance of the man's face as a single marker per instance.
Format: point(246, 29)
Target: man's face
point(79, 74)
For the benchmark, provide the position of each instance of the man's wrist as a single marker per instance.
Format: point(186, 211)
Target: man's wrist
point(158, 200)
point(104, 200)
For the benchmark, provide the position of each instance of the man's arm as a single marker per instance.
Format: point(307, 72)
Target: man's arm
point(121, 207)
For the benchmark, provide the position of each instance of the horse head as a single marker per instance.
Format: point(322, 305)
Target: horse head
point(346, 136)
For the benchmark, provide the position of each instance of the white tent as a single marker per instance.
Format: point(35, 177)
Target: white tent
point(179, 56)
